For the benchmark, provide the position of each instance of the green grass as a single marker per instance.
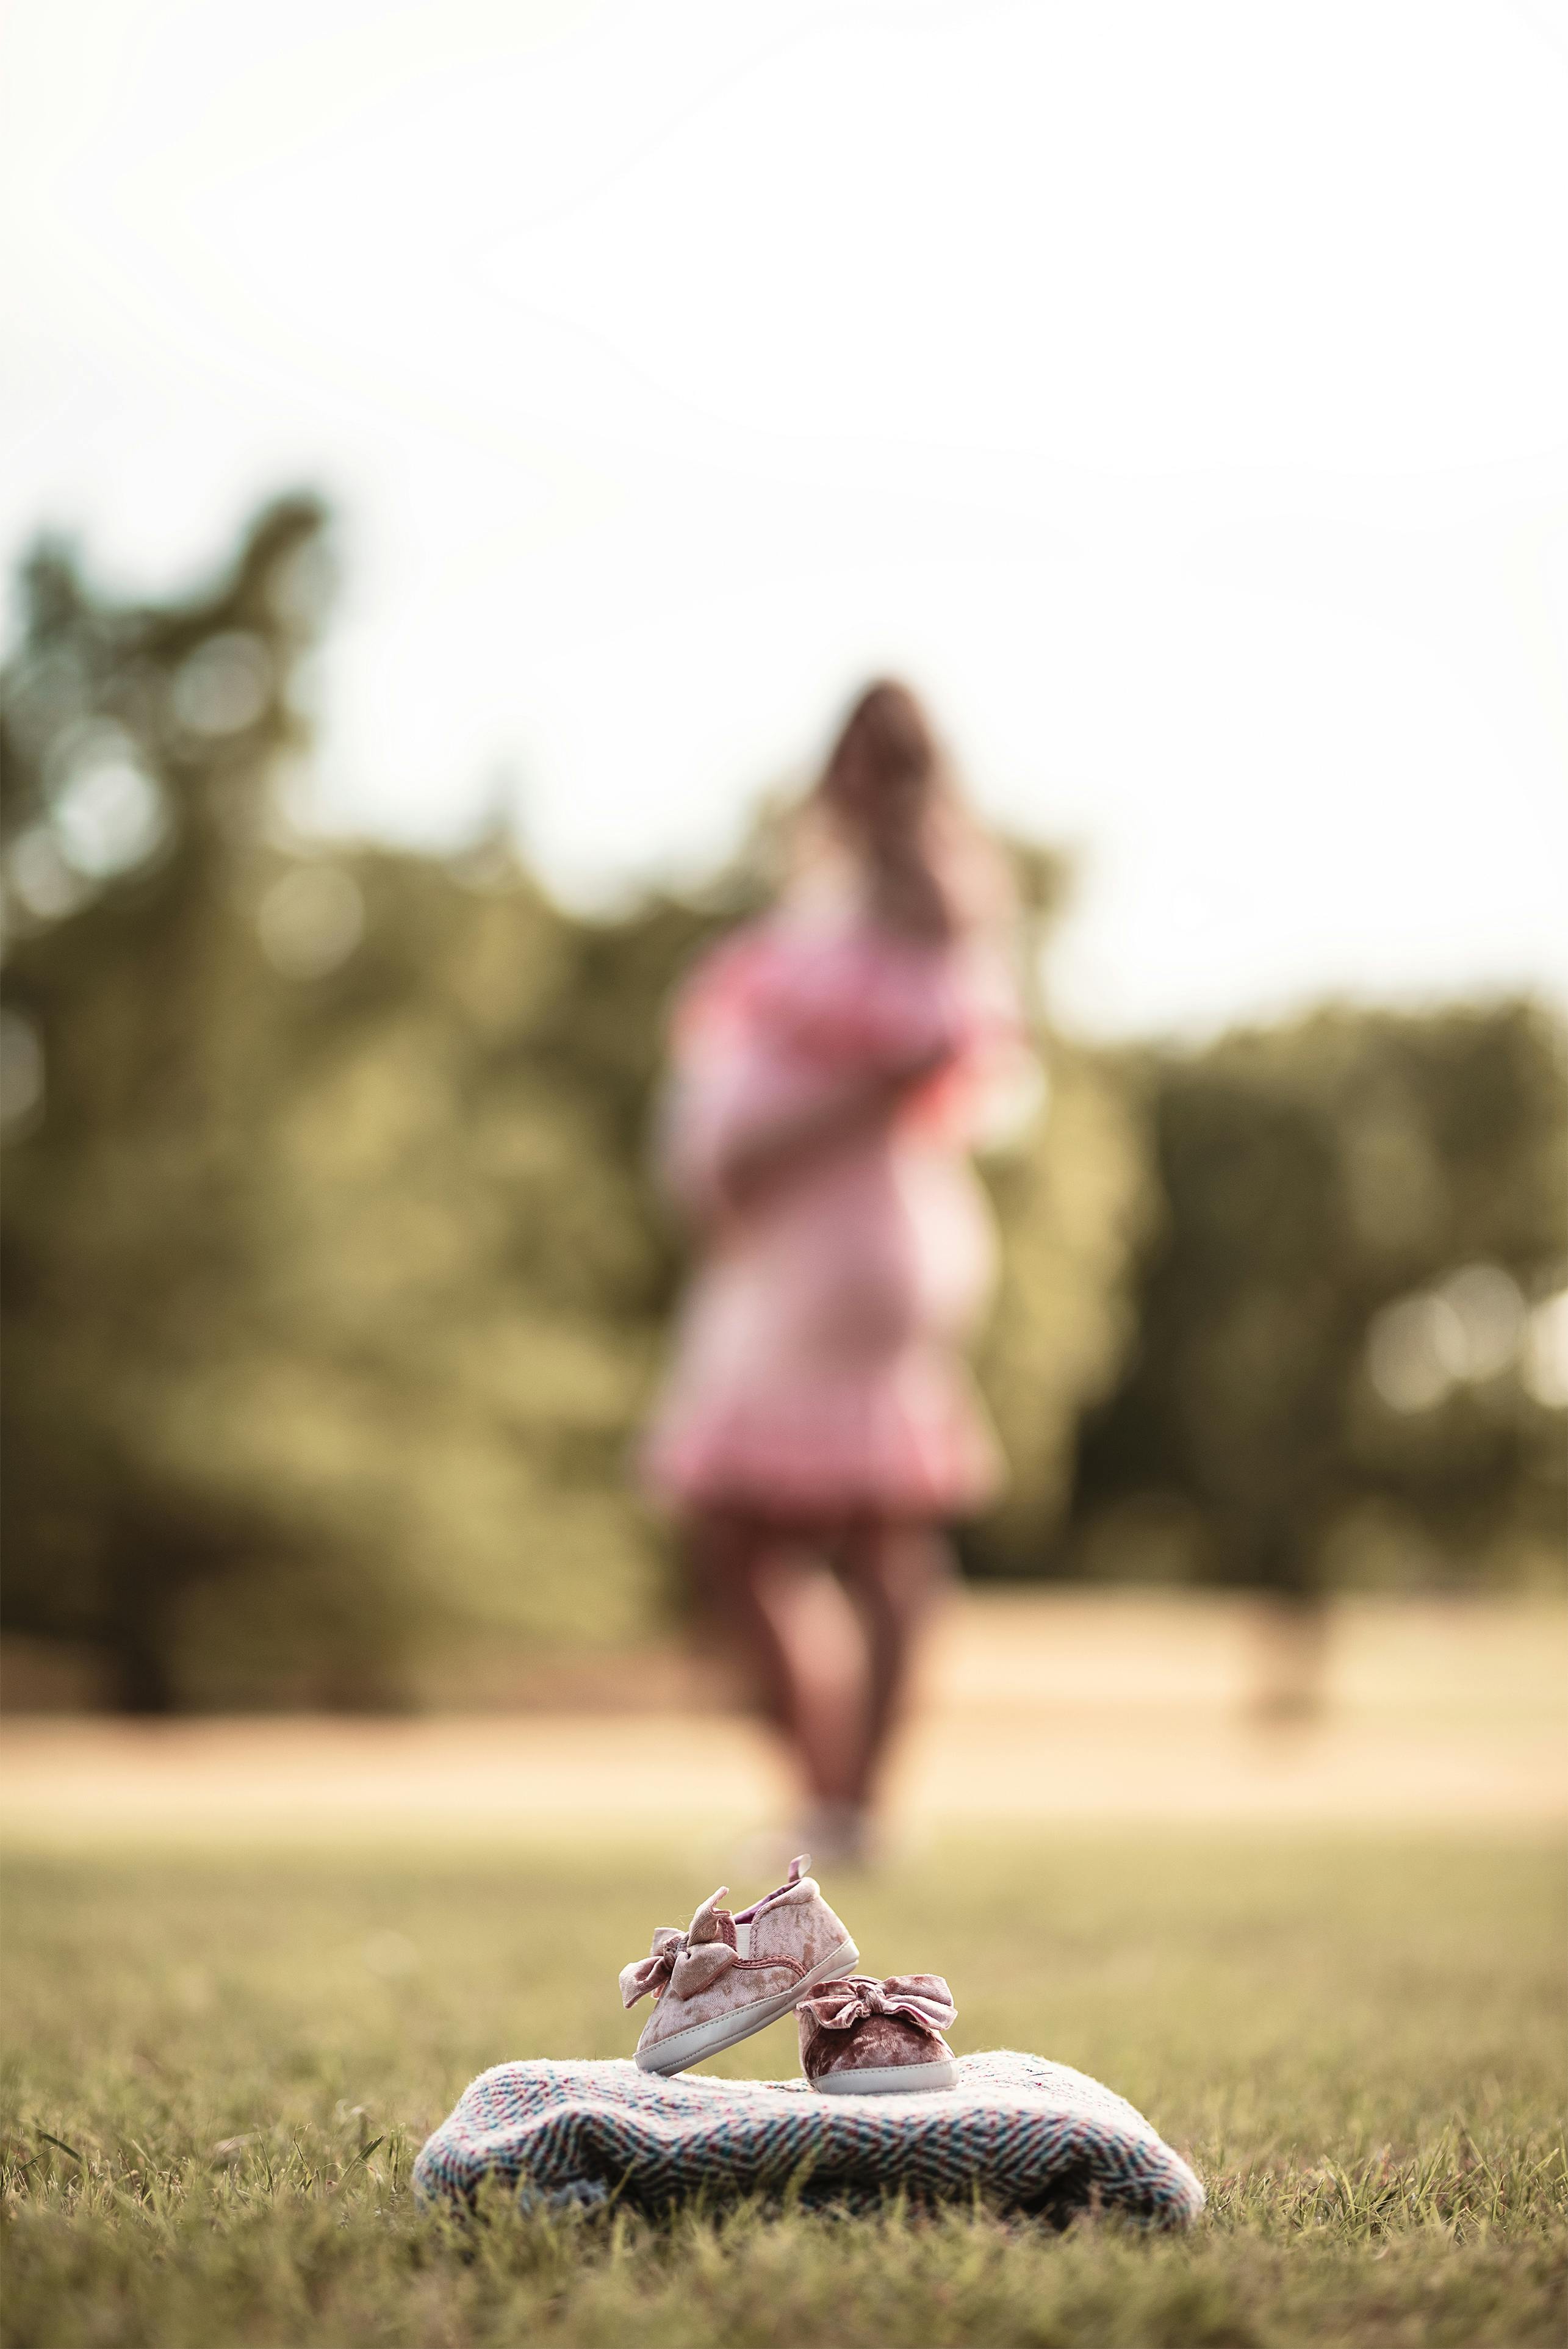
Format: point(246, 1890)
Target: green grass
point(1358, 2041)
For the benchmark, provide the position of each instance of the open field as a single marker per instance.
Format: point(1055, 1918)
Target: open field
point(249, 1964)
point(1053, 1705)
point(1359, 2041)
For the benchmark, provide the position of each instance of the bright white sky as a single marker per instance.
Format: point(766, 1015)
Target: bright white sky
point(1179, 394)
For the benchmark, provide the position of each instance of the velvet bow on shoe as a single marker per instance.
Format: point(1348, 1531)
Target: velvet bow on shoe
point(923, 2000)
point(684, 1962)
point(862, 2038)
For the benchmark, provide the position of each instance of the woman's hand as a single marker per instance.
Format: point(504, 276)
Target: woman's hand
point(860, 1103)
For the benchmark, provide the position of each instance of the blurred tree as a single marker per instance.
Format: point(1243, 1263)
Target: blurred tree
point(334, 1284)
point(1073, 1197)
point(1331, 1378)
point(328, 1288)
point(137, 748)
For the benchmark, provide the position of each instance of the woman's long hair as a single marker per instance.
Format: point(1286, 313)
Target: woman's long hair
point(889, 802)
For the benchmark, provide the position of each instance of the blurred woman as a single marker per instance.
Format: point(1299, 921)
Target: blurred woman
point(833, 1065)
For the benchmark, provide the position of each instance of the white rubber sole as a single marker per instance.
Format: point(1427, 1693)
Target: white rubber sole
point(684, 2048)
point(894, 2080)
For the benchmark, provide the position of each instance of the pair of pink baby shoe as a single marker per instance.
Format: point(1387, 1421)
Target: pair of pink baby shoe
point(726, 1976)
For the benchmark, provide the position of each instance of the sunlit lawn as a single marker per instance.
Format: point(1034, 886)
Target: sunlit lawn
point(218, 2069)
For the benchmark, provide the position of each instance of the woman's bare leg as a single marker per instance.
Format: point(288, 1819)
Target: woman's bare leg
point(804, 1640)
point(897, 1575)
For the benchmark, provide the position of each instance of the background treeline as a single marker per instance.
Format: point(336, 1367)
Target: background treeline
point(334, 1284)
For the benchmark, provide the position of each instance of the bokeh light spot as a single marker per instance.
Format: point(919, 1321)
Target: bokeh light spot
point(1415, 1350)
point(40, 876)
point(109, 812)
point(1489, 1309)
point(1546, 1352)
point(224, 686)
point(1468, 1328)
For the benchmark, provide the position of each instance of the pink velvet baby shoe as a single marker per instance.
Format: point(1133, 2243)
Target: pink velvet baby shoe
point(726, 1976)
point(861, 2037)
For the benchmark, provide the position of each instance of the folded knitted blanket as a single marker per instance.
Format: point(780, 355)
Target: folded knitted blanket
point(1027, 2135)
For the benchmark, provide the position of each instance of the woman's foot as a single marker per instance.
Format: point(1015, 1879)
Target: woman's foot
point(839, 1835)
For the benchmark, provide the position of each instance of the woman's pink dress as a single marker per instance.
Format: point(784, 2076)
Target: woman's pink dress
point(817, 1372)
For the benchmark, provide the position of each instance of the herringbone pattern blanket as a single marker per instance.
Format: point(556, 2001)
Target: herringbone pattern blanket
point(1025, 2135)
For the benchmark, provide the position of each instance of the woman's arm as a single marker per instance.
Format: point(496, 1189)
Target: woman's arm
point(724, 1142)
point(770, 1149)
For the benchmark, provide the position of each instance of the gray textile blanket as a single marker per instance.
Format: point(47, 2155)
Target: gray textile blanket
point(1025, 2135)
